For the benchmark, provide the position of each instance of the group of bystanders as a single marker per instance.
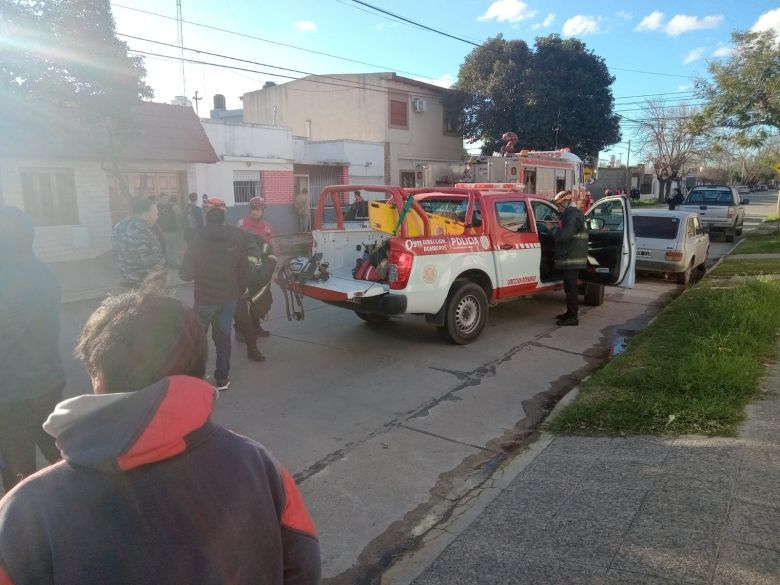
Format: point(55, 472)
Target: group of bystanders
point(143, 487)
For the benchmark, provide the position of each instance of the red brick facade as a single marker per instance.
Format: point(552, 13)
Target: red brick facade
point(278, 187)
point(344, 197)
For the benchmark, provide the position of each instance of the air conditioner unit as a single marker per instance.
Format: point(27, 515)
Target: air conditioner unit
point(418, 105)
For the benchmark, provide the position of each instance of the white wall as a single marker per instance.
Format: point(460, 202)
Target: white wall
point(250, 140)
point(87, 239)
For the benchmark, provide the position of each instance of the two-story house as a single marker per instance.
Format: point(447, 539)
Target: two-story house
point(407, 116)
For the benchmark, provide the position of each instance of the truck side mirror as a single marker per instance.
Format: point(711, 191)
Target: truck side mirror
point(596, 223)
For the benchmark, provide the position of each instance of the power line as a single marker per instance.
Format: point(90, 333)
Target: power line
point(234, 68)
point(355, 83)
point(248, 36)
point(625, 97)
point(415, 23)
point(322, 53)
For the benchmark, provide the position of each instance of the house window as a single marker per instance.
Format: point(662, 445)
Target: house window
point(50, 196)
point(246, 184)
point(453, 123)
point(399, 113)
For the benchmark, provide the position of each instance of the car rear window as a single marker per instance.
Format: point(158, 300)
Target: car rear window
point(711, 197)
point(661, 228)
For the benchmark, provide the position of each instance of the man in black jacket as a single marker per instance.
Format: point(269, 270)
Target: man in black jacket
point(30, 364)
point(217, 261)
point(571, 253)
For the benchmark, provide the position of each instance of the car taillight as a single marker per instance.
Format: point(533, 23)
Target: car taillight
point(400, 268)
point(674, 255)
point(731, 212)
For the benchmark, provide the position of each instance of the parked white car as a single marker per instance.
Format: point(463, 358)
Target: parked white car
point(671, 242)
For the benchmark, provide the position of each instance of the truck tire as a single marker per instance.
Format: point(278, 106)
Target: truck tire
point(593, 294)
point(684, 277)
point(465, 314)
point(372, 317)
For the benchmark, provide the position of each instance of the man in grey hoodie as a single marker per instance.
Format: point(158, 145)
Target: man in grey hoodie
point(33, 376)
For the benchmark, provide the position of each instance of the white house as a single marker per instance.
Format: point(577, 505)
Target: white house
point(58, 171)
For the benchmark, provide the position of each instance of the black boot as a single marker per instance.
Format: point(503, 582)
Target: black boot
point(254, 354)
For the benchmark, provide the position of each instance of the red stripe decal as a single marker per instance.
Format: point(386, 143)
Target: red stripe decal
point(295, 515)
point(4, 578)
point(187, 406)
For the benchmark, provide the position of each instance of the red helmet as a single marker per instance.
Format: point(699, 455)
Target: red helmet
point(215, 202)
point(257, 203)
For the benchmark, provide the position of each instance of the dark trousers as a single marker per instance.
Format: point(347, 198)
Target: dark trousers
point(20, 431)
point(246, 322)
point(220, 318)
point(570, 288)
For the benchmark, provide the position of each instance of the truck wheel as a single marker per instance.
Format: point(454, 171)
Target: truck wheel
point(684, 277)
point(372, 317)
point(594, 294)
point(465, 315)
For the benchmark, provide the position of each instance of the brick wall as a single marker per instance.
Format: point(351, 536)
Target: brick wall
point(277, 187)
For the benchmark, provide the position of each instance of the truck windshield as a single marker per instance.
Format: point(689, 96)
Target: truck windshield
point(660, 228)
point(711, 197)
point(449, 208)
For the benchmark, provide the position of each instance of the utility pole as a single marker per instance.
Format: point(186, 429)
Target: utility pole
point(180, 35)
point(196, 99)
point(628, 167)
point(557, 127)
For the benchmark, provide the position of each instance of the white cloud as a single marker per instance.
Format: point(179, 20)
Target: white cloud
point(678, 24)
point(652, 21)
point(548, 20)
point(684, 87)
point(625, 15)
point(723, 51)
point(508, 11)
point(580, 25)
point(306, 26)
point(768, 21)
point(694, 55)
point(682, 23)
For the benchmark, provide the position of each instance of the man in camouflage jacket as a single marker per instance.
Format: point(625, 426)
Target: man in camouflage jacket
point(137, 249)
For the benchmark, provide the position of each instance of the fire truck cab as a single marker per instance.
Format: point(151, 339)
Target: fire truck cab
point(542, 173)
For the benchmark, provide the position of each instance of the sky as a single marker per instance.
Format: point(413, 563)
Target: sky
point(653, 48)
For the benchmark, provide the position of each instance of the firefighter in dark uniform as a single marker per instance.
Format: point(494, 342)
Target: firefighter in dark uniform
point(571, 253)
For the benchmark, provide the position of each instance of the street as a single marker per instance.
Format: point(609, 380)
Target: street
point(385, 426)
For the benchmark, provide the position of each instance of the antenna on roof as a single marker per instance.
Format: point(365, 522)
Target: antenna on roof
point(180, 35)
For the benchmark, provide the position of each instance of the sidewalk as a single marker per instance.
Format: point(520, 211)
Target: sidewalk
point(623, 511)
point(97, 277)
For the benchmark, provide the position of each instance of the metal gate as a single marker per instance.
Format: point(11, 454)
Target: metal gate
point(319, 178)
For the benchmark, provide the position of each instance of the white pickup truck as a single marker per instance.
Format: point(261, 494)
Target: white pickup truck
point(494, 247)
point(720, 208)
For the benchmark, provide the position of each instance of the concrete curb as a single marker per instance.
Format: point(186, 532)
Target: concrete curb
point(436, 539)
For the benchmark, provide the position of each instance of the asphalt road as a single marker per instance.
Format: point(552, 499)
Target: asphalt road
point(385, 426)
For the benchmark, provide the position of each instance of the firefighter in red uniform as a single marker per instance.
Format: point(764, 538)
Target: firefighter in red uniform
point(259, 298)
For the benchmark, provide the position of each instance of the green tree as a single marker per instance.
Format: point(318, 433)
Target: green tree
point(743, 96)
point(557, 94)
point(62, 59)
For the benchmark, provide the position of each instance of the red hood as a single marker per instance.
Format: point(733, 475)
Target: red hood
point(118, 432)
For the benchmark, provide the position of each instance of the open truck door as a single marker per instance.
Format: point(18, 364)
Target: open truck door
point(611, 244)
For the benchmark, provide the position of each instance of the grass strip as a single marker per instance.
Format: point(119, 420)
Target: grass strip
point(692, 371)
point(760, 244)
point(747, 267)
